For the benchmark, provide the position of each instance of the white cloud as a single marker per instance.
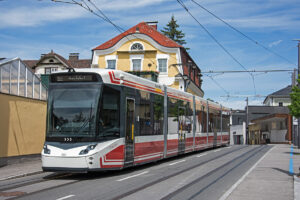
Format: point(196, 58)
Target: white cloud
point(33, 51)
point(122, 5)
point(275, 43)
point(33, 16)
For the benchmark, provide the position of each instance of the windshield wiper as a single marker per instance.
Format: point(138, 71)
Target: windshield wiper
point(86, 121)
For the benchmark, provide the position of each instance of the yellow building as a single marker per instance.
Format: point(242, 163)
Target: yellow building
point(144, 51)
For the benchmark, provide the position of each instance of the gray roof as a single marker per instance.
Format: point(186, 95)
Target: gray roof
point(262, 111)
point(7, 60)
point(284, 92)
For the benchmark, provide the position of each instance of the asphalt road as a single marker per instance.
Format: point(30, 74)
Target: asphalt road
point(202, 175)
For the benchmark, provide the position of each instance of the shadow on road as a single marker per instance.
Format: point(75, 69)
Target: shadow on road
point(283, 171)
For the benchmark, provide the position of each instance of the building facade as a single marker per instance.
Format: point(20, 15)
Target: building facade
point(279, 98)
point(144, 51)
point(269, 124)
point(52, 62)
point(238, 127)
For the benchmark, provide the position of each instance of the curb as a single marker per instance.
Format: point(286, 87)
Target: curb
point(296, 188)
point(21, 175)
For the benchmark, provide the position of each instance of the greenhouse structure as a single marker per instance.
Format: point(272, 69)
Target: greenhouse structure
point(18, 79)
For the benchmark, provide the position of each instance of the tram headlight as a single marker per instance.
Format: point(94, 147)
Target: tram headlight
point(88, 148)
point(46, 150)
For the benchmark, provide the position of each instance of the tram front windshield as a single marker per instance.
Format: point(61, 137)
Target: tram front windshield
point(72, 110)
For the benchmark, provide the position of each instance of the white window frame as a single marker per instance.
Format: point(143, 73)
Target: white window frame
point(136, 43)
point(54, 69)
point(111, 57)
point(162, 56)
point(140, 56)
point(111, 60)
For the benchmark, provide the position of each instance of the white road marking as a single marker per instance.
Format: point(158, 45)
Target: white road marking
point(174, 163)
point(201, 155)
point(66, 197)
point(133, 176)
point(233, 187)
point(228, 147)
point(217, 150)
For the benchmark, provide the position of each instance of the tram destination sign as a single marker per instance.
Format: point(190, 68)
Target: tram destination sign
point(74, 78)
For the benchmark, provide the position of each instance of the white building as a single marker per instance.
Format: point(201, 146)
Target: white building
point(279, 98)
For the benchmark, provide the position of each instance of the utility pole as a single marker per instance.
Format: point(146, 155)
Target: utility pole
point(299, 87)
point(247, 122)
point(294, 77)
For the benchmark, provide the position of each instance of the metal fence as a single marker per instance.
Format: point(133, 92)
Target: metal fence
point(17, 79)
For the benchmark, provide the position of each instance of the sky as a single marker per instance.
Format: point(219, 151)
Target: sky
point(29, 28)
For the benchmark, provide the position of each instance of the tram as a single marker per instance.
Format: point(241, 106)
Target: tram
point(100, 119)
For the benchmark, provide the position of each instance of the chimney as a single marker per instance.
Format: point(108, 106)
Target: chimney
point(153, 24)
point(73, 56)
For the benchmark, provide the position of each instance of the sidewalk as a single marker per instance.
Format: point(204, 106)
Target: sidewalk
point(21, 167)
point(271, 178)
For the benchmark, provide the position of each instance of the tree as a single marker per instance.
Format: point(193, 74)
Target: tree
point(295, 97)
point(172, 32)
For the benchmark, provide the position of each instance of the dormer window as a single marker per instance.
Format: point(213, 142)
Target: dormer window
point(137, 47)
point(51, 60)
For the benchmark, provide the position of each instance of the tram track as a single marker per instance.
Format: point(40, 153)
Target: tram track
point(22, 183)
point(79, 178)
point(177, 173)
point(247, 156)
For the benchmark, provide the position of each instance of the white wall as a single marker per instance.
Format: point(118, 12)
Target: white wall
point(275, 101)
point(240, 130)
point(278, 136)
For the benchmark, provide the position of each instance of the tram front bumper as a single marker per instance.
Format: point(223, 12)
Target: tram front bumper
point(72, 164)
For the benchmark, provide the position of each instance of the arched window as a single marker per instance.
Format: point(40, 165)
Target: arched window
point(137, 47)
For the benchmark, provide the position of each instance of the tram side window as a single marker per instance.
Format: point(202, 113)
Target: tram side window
point(214, 121)
point(198, 118)
point(172, 116)
point(185, 116)
point(158, 109)
point(217, 121)
point(145, 121)
point(211, 125)
point(225, 122)
point(179, 116)
point(201, 119)
point(189, 117)
point(109, 120)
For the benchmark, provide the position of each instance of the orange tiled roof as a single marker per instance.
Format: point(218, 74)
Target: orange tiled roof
point(143, 28)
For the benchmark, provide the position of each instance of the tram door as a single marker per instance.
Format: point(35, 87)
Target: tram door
point(129, 135)
point(181, 129)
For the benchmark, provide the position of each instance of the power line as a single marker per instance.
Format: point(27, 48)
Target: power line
point(104, 17)
point(120, 29)
point(243, 96)
point(218, 84)
point(251, 71)
point(243, 34)
point(224, 49)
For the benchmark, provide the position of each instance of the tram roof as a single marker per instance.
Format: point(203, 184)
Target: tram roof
point(118, 77)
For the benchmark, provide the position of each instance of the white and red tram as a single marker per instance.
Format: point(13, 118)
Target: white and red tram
point(107, 119)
